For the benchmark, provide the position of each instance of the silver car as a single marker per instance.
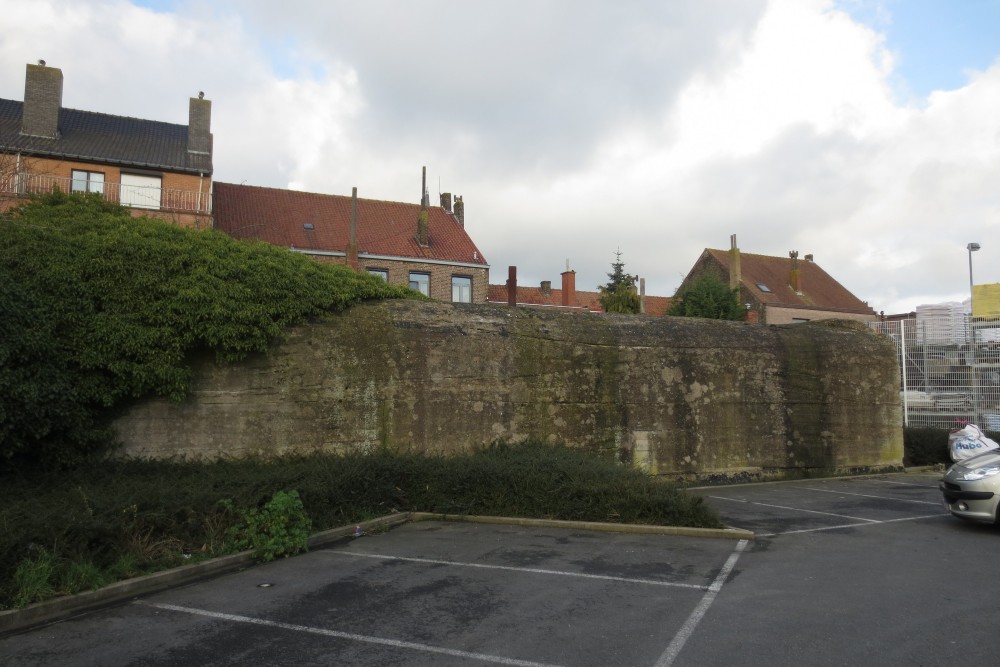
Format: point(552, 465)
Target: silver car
point(971, 488)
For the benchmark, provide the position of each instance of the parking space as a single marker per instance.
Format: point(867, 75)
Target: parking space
point(827, 504)
point(428, 593)
point(865, 570)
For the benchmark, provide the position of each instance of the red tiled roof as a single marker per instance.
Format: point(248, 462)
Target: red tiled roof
point(281, 217)
point(818, 290)
point(591, 301)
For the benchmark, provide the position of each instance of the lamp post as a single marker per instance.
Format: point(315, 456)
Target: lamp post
point(972, 247)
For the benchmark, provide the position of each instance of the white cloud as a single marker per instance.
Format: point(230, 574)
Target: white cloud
point(572, 128)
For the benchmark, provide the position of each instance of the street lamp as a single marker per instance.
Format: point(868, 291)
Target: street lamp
point(972, 247)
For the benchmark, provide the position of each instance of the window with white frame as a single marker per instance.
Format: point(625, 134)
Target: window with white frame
point(140, 191)
point(87, 181)
point(461, 289)
point(381, 273)
point(421, 282)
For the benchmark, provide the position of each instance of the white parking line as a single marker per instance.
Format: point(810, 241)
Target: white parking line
point(865, 495)
point(795, 509)
point(670, 654)
point(530, 570)
point(853, 525)
point(913, 484)
point(394, 643)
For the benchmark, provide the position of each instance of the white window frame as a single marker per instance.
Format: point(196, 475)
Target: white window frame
point(461, 289)
point(87, 181)
point(423, 286)
point(138, 190)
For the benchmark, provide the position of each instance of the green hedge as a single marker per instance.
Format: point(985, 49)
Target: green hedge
point(99, 307)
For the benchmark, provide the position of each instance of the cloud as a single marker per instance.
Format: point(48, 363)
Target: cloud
point(572, 128)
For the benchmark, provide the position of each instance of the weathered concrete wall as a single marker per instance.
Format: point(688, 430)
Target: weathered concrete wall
point(676, 396)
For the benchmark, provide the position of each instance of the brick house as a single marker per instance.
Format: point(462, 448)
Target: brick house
point(155, 168)
point(566, 298)
point(432, 253)
point(781, 290)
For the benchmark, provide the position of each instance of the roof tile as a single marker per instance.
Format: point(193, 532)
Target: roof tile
point(817, 289)
point(282, 218)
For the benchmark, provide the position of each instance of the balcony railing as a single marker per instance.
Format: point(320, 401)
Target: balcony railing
point(133, 196)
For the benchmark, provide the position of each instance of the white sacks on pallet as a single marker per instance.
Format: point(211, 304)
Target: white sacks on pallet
point(968, 442)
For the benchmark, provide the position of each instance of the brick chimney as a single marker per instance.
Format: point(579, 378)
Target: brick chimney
point(568, 286)
point(423, 232)
point(511, 286)
point(546, 288)
point(200, 125)
point(446, 201)
point(735, 272)
point(352, 241)
point(793, 274)
point(43, 88)
point(460, 210)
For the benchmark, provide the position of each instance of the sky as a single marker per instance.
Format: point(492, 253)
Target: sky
point(863, 132)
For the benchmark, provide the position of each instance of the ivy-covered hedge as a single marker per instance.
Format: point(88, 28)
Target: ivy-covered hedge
point(98, 307)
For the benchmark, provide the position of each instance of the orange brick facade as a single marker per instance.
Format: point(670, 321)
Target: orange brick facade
point(185, 198)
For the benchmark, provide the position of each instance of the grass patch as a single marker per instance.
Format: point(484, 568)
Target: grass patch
point(77, 530)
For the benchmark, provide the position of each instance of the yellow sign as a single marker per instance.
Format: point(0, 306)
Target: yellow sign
point(986, 300)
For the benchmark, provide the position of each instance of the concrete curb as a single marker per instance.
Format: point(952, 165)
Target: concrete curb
point(635, 528)
point(13, 620)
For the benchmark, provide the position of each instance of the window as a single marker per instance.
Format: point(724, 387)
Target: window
point(421, 282)
point(381, 273)
point(140, 191)
point(461, 289)
point(799, 320)
point(763, 288)
point(87, 181)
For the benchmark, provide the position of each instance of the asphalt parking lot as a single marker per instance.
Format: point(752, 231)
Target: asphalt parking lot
point(842, 572)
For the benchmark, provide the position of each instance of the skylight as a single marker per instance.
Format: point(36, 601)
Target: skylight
point(308, 225)
point(763, 288)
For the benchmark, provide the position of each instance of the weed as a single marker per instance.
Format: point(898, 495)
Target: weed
point(280, 528)
point(83, 576)
point(33, 578)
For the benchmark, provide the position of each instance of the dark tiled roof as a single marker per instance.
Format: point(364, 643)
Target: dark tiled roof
point(534, 296)
point(96, 137)
point(280, 217)
point(818, 289)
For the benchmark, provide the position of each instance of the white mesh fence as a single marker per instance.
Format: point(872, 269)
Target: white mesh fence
point(949, 369)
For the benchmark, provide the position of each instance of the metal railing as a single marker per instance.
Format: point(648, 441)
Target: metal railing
point(949, 376)
point(152, 198)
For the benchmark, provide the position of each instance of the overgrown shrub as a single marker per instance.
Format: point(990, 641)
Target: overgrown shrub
point(924, 446)
point(280, 528)
point(99, 307)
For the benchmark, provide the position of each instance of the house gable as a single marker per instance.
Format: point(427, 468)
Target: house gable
point(386, 234)
point(46, 146)
point(765, 282)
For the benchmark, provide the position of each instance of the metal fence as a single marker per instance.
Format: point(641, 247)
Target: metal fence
point(949, 373)
point(185, 201)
